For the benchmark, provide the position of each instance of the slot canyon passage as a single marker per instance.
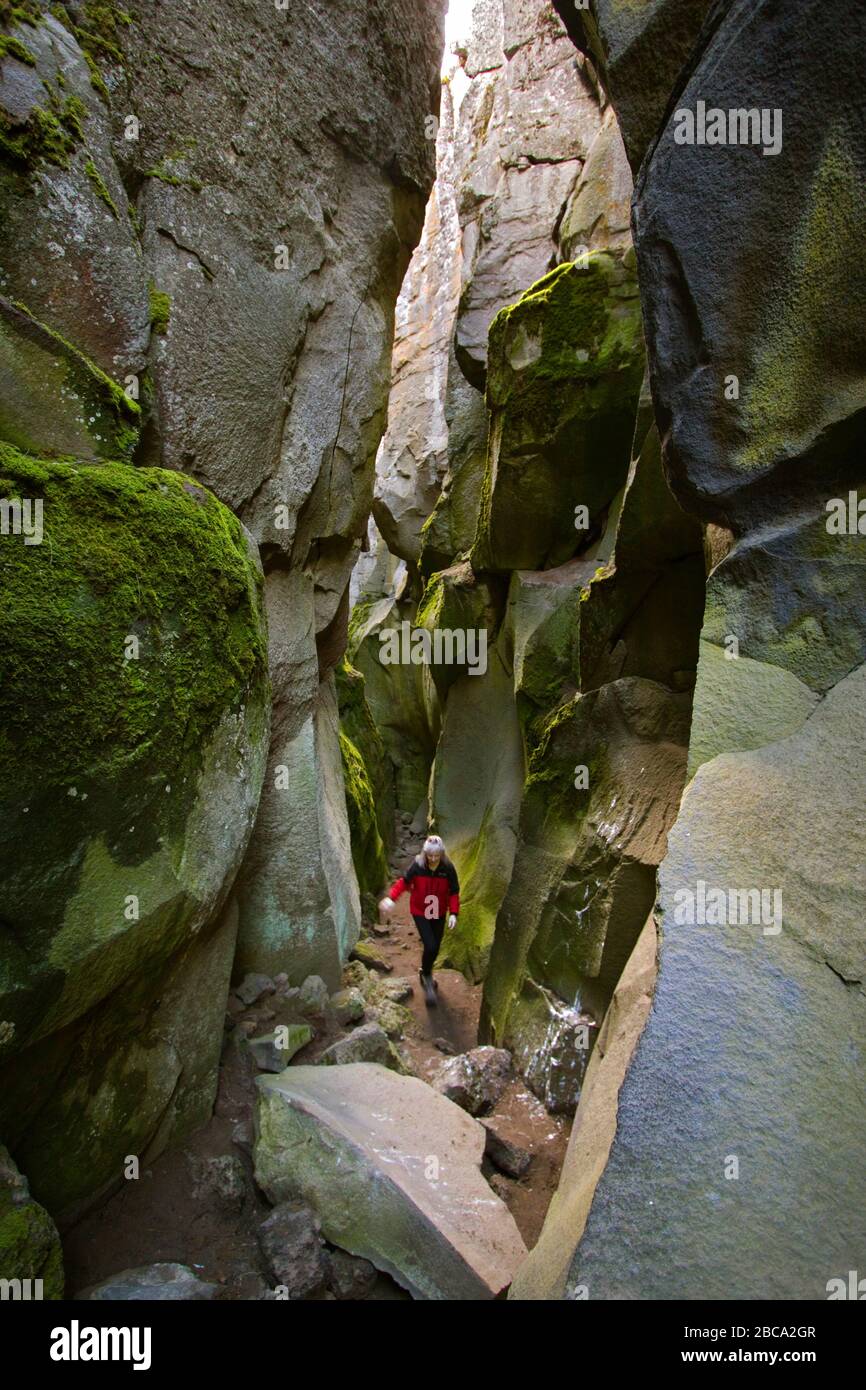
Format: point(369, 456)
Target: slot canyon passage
point(396, 445)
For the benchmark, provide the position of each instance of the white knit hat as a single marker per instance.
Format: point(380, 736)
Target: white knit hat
point(433, 845)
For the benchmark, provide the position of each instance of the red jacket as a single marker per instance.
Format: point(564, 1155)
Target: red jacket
point(432, 892)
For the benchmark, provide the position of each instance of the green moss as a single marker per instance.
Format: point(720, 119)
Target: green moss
point(97, 81)
point(72, 115)
point(432, 601)
point(13, 48)
point(358, 724)
point(125, 551)
point(357, 621)
point(30, 1247)
point(100, 189)
point(160, 172)
point(49, 136)
point(565, 364)
point(804, 353)
point(117, 417)
point(368, 854)
point(160, 308)
point(550, 777)
point(25, 12)
point(100, 36)
point(582, 329)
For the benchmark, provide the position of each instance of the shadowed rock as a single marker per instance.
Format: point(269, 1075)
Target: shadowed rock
point(393, 1171)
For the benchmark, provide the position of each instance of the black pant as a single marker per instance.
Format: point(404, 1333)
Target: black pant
point(430, 930)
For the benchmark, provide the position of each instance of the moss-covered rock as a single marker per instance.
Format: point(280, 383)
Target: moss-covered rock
point(602, 789)
point(133, 726)
point(401, 696)
point(55, 401)
point(29, 1243)
point(460, 610)
point(357, 722)
point(368, 852)
point(476, 790)
point(564, 375)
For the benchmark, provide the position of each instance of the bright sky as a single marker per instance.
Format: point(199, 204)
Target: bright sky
point(457, 25)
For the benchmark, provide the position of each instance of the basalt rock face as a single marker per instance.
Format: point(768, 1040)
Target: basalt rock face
point(204, 224)
point(638, 52)
point(519, 119)
point(748, 270)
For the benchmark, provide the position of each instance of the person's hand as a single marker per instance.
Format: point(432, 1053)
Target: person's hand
point(387, 905)
point(452, 922)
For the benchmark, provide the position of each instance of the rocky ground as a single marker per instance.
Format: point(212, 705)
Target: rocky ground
point(199, 1206)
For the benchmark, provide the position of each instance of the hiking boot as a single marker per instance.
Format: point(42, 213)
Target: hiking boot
point(429, 990)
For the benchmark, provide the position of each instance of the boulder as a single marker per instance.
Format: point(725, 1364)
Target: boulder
point(564, 375)
point(786, 321)
point(551, 1041)
point(366, 953)
point(313, 996)
point(544, 1273)
point(475, 1080)
point(292, 1246)
point(508, 1157)
point(274, 1051)
point(159, 1283)
point(149, 602)
point(348, 1005)
point(742, 704)
point(253, 987)
point(350, 1276)
point(756, 358)
point(393, 1018)
point(369, 1043)
point(406, 1194)
point(198, 299)
point(584, 875)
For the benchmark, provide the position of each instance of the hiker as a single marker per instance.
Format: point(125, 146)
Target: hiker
point(434, 893)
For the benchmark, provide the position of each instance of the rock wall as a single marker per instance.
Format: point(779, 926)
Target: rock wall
point(204, 224)
point(734, 1172)
point(519, 120)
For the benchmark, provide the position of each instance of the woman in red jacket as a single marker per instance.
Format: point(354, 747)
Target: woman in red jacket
point(434, 894)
